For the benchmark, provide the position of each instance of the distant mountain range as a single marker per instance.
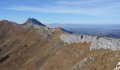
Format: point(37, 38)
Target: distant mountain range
point(107, 30)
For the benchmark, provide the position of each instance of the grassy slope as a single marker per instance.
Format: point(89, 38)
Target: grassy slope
point(27, 51)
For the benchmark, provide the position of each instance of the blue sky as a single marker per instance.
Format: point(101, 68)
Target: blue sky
point(62, 11)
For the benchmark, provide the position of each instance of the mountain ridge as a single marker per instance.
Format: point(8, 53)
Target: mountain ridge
point(33, 21)
point(36, 47)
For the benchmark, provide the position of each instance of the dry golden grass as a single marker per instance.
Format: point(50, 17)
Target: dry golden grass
point(27, 51)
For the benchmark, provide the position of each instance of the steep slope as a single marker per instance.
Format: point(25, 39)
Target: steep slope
point(21, 45)
point(34, 46)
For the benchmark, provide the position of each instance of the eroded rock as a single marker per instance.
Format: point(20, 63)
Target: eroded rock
point(96, 43)
point(83, 63)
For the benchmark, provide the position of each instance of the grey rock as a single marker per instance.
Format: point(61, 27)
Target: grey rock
point(83, 63)
point(96, 42)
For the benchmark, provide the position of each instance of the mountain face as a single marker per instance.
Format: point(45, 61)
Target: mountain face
point(34, 46)
point(32, 21)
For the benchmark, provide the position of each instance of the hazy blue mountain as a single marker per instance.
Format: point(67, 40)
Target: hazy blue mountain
point(109, 30)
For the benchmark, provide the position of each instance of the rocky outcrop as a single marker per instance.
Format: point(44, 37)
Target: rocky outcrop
point(117, 67)
point(83, 63)
point(96, 42)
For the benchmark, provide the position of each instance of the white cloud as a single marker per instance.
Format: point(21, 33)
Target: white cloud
point(55, 9)
point(77, 2)
point(110, 10)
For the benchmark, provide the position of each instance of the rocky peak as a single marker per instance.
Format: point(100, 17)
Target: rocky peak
point(38, 25)
point(32, 21)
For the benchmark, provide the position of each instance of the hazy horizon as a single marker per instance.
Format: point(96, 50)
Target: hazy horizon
point(60, 23)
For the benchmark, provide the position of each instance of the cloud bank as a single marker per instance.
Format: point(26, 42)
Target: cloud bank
point(83, 7)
